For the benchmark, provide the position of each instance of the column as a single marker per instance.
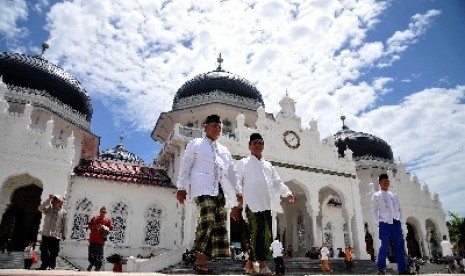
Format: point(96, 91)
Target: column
point(316, 237)
point(349, 229)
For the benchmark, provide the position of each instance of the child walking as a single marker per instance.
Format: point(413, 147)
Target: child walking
point(28, 255)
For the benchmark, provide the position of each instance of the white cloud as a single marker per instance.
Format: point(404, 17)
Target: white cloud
point(134, 55)
point(13, 11)
point(40, 5)
point(401, 40)
point(427, 131)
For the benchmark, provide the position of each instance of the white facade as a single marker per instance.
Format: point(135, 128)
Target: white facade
point(39, 150)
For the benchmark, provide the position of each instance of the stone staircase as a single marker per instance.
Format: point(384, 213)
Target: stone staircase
point(301, 266)
point(294, 266)
point(15, 260)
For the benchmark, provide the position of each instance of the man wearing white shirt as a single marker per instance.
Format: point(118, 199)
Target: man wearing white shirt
point(447, 252)
point(207, 175)
point(261, 188)
point(277, 250)
point(387, 213)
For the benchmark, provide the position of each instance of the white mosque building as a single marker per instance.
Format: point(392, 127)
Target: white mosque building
point(47, 147)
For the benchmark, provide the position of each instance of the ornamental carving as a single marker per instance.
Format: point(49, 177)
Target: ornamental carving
point(152, 229)
point(83, 208)
point(328, 234)
point(118, 214)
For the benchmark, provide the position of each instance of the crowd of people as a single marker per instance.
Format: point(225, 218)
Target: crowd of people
point(209, 178)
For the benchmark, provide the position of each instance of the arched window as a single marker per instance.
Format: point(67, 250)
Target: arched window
point(152, 227)
point(118, 214)
point(83, 208)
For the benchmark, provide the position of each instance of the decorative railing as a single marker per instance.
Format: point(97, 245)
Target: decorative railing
point(217, 96)
point(42, 99)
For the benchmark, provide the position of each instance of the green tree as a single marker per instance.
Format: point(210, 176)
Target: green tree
point(456, 226)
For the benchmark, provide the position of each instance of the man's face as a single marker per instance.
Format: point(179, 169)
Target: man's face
point(256, 147)
point(384, 184)
point(103, 212)
point(213, 130)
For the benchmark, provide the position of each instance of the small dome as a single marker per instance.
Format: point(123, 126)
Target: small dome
point(363, 145)
point(37, 73)
point(120, 154)
point(226, 83)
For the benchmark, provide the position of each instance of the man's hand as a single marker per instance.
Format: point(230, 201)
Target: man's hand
point(236, 213)
point(181, 196)
point(291, 198)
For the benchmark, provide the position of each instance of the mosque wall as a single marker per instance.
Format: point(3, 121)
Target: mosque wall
point(146, 219)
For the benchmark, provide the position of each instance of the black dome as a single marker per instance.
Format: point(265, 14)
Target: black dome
point(218, 80)
point(38, 73)
point(120, 154)
point(363, 145)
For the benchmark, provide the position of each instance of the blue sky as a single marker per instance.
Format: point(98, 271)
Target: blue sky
point(393, 68)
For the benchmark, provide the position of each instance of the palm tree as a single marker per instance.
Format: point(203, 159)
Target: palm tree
point(456, 226)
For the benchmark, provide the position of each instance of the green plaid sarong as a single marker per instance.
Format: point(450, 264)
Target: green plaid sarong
point(259, 224)
point(211, 235)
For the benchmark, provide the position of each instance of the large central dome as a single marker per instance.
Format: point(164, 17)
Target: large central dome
point(37, 73)
point(218, 86)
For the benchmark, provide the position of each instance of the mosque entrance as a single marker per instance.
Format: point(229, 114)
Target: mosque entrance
point(413, 247)
point(21, 220)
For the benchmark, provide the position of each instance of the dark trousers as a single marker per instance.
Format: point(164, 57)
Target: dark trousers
point(279, 265)
point(49, 249)
point(95, 255)
point(27, 263)
point(391, 234)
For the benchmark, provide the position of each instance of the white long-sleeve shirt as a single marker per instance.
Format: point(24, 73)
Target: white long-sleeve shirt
point(198, 175)
point(261, 184)
point(277, 248)
point(385, 207)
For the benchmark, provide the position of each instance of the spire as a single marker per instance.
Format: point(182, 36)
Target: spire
point(220, 60)
point(44, 47)
point(343, 118)
point(121, 138)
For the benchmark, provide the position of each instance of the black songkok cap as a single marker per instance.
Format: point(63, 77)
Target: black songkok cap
point(213, 119)
point(382, 176)
point(255, 136)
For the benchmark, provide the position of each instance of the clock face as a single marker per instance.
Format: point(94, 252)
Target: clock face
point(291, 139)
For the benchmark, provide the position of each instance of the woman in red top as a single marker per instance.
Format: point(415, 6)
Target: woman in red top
point(99, 226)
